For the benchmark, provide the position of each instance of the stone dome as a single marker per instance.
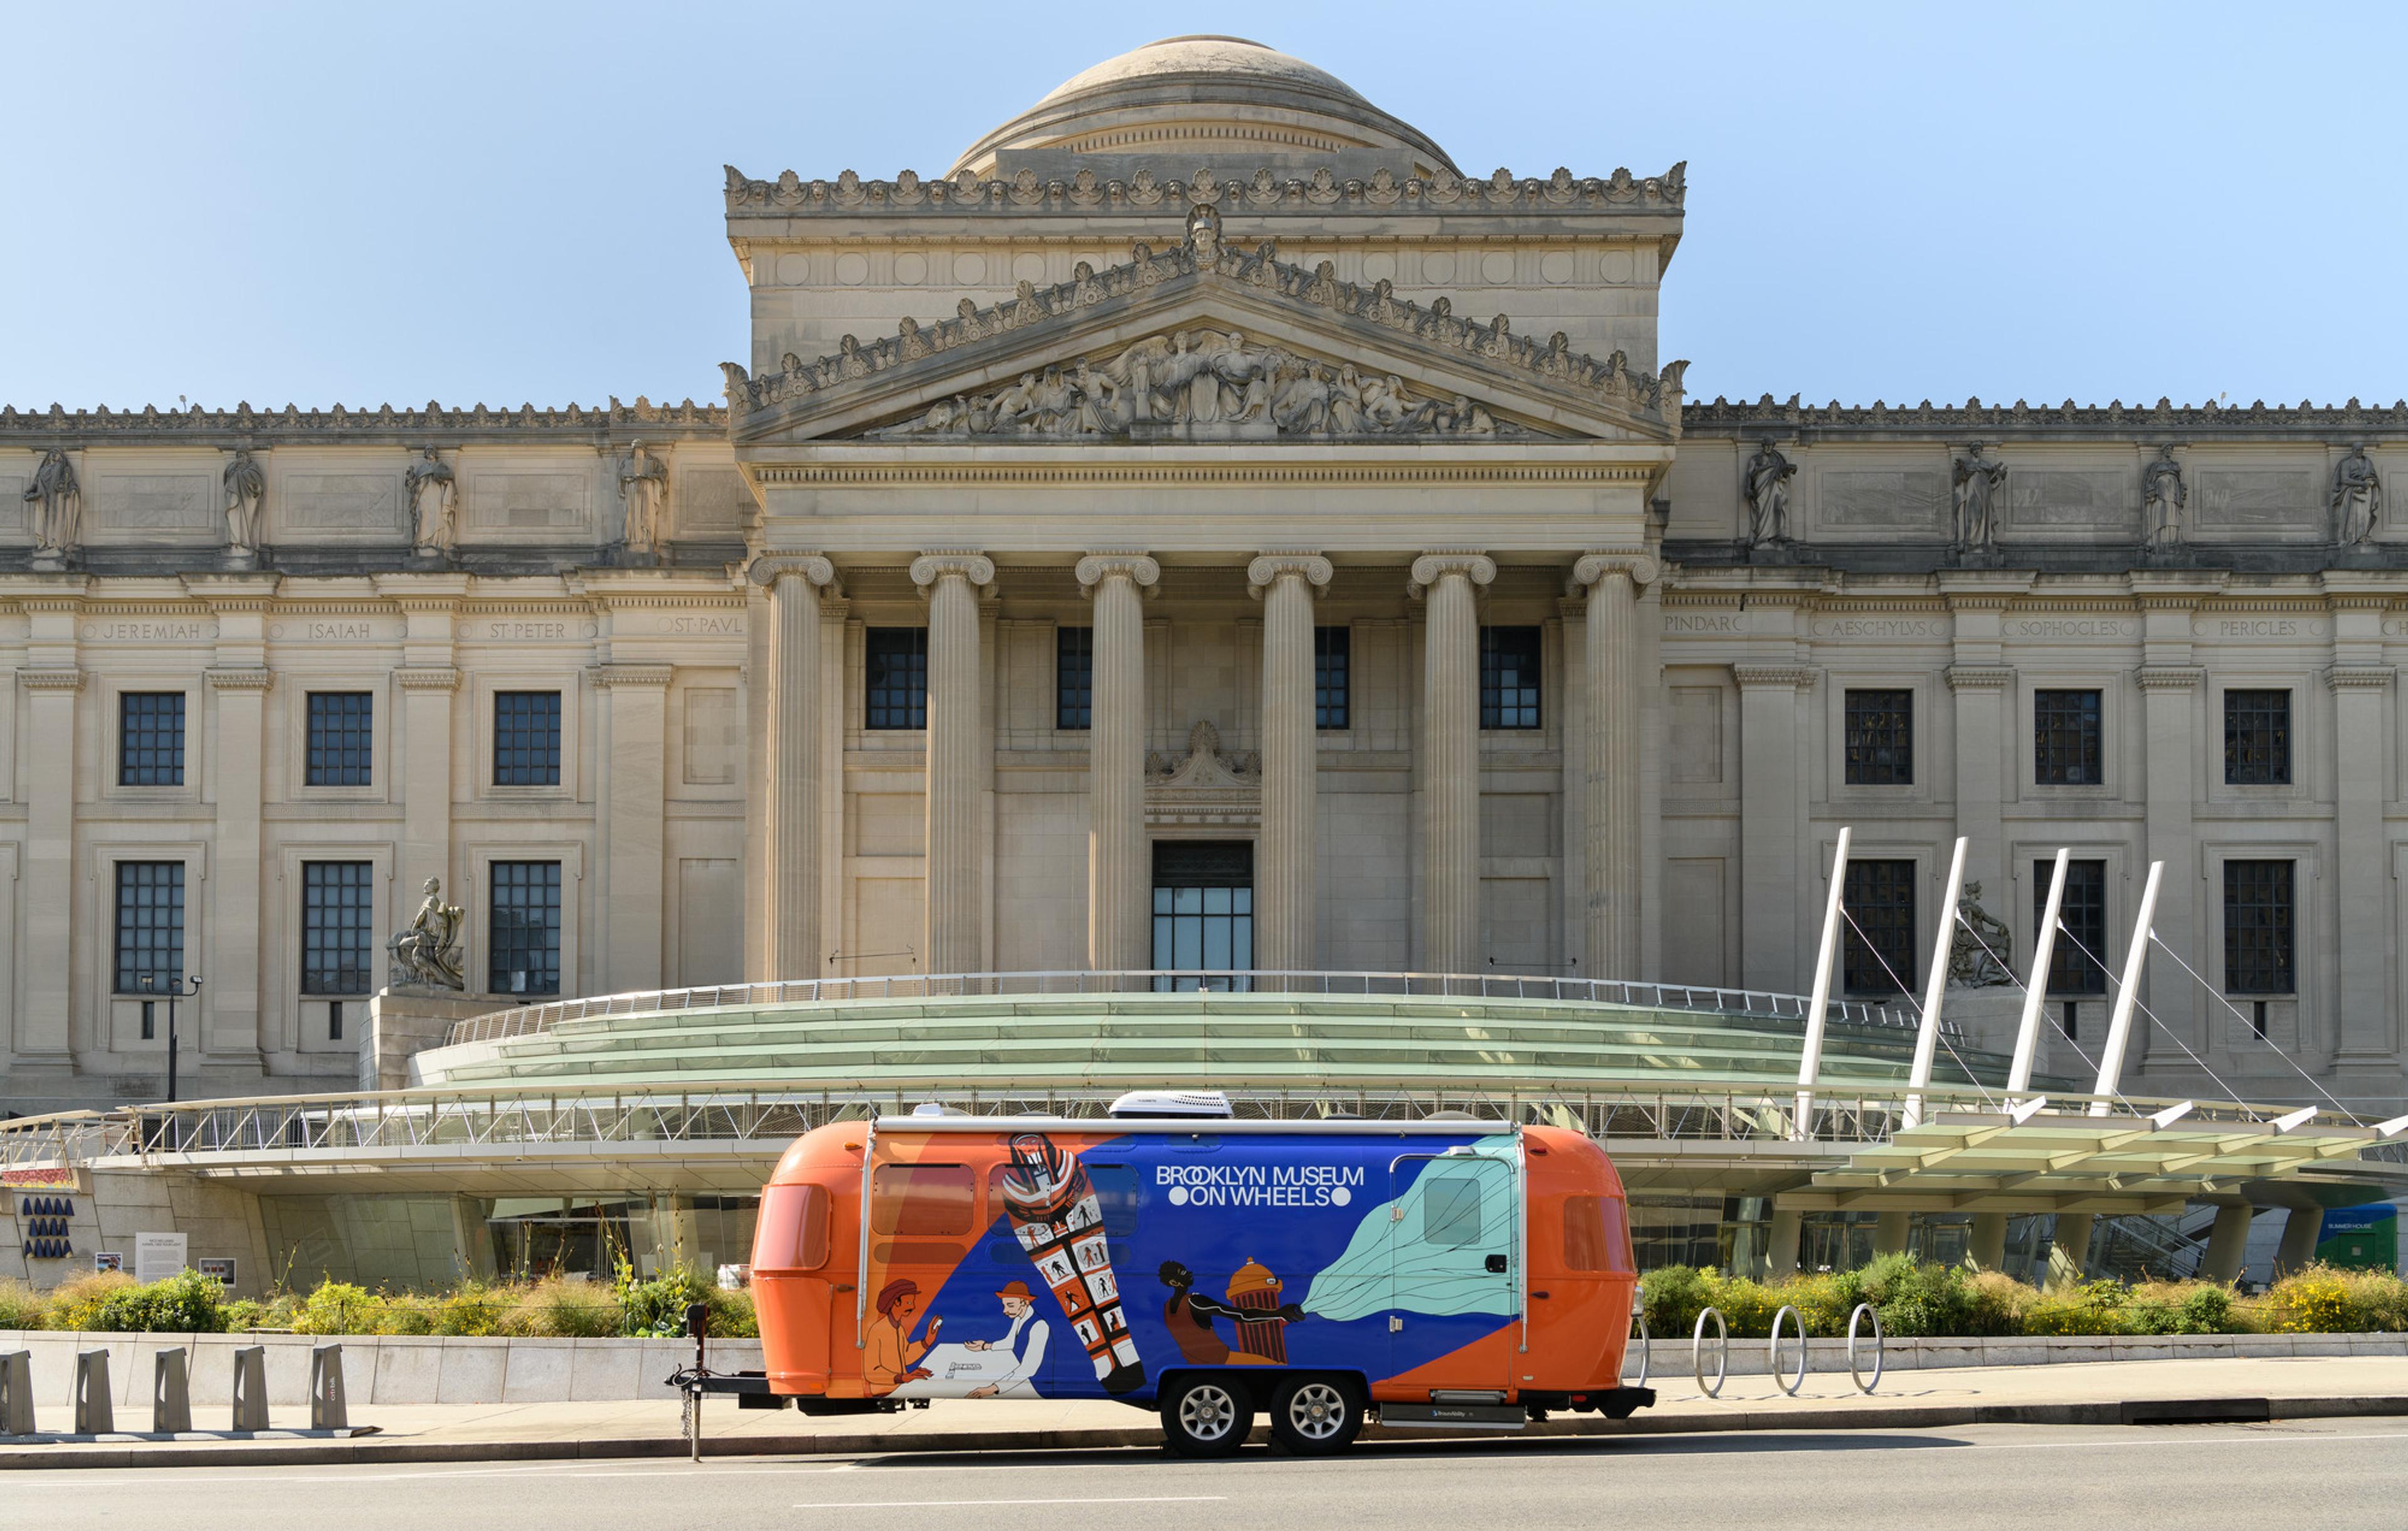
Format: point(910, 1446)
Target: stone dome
point(1188, 101)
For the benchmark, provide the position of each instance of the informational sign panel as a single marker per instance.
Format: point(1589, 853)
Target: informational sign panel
point(109, 1260)
point(220, 1266)
point(157, 1256)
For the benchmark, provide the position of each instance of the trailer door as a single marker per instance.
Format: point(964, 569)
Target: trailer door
point(1454, 1256)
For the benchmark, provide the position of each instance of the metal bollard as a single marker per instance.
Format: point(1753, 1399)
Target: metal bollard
point(17, 1394)
point(94, 1415)
point(326, 1408)
point(250, 1388)
point(171, 1393)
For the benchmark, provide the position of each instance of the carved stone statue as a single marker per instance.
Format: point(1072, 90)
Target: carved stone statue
point(433, 495)
point(1765, 491)
point(1976, 483)
point(2161, 497)
point(2356, 499)
point(1204, 232)
point(644, 484)
point(245, 486)
point(1969, 964)
point(428, 952)
point(57, 501)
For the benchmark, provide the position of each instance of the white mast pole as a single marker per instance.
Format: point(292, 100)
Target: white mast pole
point(1810, 1061)
point(2119, 1023)
point(1927, 1036)
point(2036, 989)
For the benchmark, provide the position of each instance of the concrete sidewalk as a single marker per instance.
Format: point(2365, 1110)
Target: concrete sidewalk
point(2101, 1393)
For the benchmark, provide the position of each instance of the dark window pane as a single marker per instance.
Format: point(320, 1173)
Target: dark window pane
point(2081, 917)
point(1333, 653)
point(1880, 900)
point(2259, 927)
point(524, 945)
point(526, 739)
point(2257, 738)
point(896, 682)
point(342, 726)
point(1074, 676)
point(1204, 913)
point(1509, 677)
point(150, 738)
point(1881, 739)
point(335, 920)
point(149, 926)
point(2065, 738)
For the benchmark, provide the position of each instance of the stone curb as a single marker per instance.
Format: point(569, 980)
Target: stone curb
point(1904, 1417)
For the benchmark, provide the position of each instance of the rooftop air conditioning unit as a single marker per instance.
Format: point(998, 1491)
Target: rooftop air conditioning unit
point(1157, 1104)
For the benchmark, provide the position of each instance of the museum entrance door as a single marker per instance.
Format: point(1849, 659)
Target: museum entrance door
point(1203, 913)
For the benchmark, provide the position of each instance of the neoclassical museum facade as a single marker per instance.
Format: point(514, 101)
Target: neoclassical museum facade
point(1202, 528)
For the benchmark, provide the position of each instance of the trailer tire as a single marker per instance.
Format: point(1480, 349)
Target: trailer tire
point(1315, 1413)
point(1206, 1414)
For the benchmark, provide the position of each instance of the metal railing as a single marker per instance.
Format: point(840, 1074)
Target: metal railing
point(738, 1114)
point(529, 1019)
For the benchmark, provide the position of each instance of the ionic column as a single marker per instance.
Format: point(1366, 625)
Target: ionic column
point(1450, 757)
point(1284, 895)
point(953, 583)
point(792, 889)
point(1610, 807)
point(1119, 919)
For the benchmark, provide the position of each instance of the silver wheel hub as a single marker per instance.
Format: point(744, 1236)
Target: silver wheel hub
point(1208, 1413)
point(1316, 1412)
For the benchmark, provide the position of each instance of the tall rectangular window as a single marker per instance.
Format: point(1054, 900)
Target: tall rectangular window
point(1509, 677)
point(149, 926)
point(1074, 676)
point(523, 949)
point(1881, 739)
point(336, 917)
point(342, 726)
point(2081, 917)
point(2257, 738)
point(526, 739)
point(150, 738)
point(1333, 659)
point(1879, 898)
point(2261, 926)
point(896, 682)
point(2065, 738)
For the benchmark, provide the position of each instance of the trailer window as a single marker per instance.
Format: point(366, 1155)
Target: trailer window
point(1450, 1210)
point(922, 1201)
point(1597, 1234)
point(794, 1233)
point(1115, 1189)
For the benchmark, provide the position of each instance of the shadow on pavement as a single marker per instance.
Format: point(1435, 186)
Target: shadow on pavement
point(1720, 1444)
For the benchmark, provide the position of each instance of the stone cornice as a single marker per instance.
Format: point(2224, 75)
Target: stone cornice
point(2152, 423)
point(51, 677)
point(1775, 676)
point(2170, 677)
point(241, 677)
point(1138, 470)
point(2360, 677)
point(244, 427)
point(427, 678)
point(1979, 677)
point(1318, 196)
point(653, 676)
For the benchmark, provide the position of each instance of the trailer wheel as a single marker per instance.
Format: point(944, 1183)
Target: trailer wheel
point(1206, 1415)
point(1316, 1414)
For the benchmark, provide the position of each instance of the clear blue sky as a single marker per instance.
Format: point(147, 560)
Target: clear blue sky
point(509, 202)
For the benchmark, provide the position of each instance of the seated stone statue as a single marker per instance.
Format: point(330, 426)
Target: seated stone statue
point(428, 952)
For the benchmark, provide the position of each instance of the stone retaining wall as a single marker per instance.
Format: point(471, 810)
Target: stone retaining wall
point(416, 1370)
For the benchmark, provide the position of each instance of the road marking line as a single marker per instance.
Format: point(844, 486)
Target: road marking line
point(955, 1504)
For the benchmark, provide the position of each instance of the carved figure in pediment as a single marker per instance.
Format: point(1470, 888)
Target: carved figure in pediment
point(1204, 232)
point(1084, 288)
point(433, 499)
point(1765, 487)
point(2161, 497)
point(2356, 499)
point(1244, 374)
point(1980, 962)
point(245, 486)
point(57, 501)
point(1976, 484)
point(644, 485)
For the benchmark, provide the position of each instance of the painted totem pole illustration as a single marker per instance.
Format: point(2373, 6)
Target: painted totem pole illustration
point(1058, 1221)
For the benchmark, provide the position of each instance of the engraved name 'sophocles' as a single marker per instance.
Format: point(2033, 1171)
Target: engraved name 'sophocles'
point(432, 497)
point(245, 486)
point(643, 484)
point(1977, 484)
point(1766, 492)
point(2356, 499)
point(2162, 497)
point(57, 506)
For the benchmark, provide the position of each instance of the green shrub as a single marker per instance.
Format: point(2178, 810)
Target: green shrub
point(20, 1306)
point(338, 1307)
point(474, 1311)
point(74, 1303)
point(1673, 1298)
point(248, 1313)
point(1824, 1299)
point(1747, 1306)
point(406, 1315)
point(732, 1314)
point(1919, 1299)
point(656, 1309)
point(566, 1309)
point(1999, 1303)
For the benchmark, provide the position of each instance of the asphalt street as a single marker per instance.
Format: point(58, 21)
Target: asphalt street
point(2336, 1473)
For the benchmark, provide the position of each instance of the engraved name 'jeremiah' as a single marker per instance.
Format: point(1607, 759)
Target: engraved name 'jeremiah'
point(153, 632)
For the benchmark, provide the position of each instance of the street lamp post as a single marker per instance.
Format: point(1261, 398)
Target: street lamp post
point(150, 985)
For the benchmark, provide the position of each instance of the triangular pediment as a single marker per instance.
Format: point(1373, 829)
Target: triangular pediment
point(1202, 343)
